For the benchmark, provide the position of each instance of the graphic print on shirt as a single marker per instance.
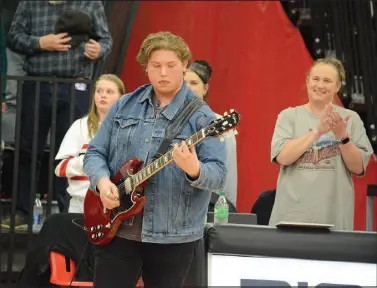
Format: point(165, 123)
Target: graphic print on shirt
point(321, 156)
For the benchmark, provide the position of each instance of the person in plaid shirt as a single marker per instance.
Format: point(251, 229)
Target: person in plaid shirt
point(59, 39)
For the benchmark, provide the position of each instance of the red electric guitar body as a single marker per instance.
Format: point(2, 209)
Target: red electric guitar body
point(102, 224)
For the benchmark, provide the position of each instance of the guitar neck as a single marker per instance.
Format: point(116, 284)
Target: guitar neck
point(164, 160)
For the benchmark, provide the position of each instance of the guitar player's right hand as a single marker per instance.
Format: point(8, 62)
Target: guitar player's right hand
point(108, 193)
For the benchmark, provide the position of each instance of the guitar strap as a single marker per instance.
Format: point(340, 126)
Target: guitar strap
point(178, 123)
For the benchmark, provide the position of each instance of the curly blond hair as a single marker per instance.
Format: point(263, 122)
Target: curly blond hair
point(163, 41)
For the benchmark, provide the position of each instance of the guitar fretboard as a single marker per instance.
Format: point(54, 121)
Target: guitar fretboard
point(164, 160)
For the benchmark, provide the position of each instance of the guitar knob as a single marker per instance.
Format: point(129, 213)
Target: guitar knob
point(94, 236)
point(92, 229)
point(99, 227)
point(100, 235)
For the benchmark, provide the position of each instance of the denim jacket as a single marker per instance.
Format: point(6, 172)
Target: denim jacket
point(176, 207)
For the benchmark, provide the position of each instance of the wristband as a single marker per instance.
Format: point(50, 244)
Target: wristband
point(344, 140)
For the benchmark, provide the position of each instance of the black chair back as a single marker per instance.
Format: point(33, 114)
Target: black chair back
point(263, 206)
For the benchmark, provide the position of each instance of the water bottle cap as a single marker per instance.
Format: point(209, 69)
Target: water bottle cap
point(222, 193)
point(38, 196)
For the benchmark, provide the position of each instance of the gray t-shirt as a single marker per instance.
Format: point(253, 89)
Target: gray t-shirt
point(318, 187)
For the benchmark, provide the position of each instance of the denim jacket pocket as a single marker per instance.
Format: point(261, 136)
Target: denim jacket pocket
point(125, 130)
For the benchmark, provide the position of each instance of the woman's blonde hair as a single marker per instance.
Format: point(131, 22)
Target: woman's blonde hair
point(93, 117)
point(338, 66)
point(163, 41)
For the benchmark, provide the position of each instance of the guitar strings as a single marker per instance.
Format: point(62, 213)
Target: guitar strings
point(133, 177)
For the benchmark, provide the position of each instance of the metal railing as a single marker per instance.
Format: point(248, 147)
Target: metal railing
point(14, 243)
point(10, 239)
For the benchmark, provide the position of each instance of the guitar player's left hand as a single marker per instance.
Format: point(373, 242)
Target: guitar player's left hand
point(186, 159)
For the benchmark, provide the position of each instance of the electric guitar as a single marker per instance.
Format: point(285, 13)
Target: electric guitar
point(102, 224)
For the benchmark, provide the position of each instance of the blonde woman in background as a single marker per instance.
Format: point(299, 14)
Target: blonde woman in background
point(108, 89)
point(59, 232)
point(319, 146)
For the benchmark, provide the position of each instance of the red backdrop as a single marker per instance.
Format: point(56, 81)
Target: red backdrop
point(259, 61)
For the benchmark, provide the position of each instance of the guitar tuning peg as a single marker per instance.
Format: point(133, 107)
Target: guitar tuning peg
point(225, 113)
point(222, 139)
point(231, 110)
point(235, 132)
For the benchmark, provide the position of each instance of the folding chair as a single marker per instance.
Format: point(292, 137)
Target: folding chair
point(62, 272)
point(60, 276)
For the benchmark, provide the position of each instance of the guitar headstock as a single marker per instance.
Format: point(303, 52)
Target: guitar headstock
point(224, 124)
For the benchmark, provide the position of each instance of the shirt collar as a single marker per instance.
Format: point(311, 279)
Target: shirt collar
point(171, 110)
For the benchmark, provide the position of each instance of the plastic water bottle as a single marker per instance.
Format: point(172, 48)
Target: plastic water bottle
point(37, 214)
point(221, 210)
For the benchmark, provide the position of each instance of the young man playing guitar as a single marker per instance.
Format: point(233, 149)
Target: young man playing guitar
point(161, 241)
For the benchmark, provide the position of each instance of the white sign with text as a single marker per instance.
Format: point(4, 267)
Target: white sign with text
point(255, 271)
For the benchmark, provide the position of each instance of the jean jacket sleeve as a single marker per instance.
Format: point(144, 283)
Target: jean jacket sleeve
point(212, 156)
point(97, 154)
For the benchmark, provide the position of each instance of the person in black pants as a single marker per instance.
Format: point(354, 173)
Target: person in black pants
point(162, 241)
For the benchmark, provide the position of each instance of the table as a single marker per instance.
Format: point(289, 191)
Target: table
point(247, 255)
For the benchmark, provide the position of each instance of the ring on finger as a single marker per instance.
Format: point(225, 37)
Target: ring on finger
point(108, 194)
